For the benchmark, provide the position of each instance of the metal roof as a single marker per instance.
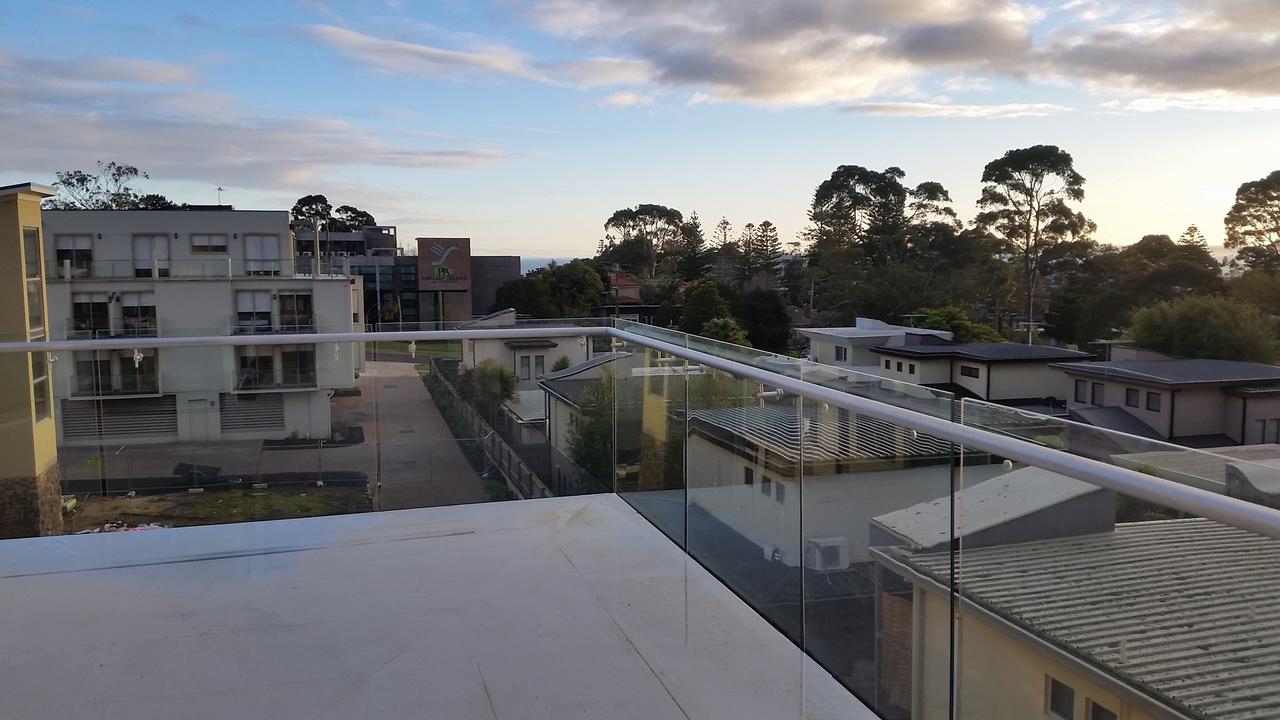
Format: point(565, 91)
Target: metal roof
point(779, 429)
point(1115, 418)
point(1185, 610)
point(985, 352)
point(1179, 372)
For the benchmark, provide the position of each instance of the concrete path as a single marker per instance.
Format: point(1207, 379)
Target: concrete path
point(418, 459)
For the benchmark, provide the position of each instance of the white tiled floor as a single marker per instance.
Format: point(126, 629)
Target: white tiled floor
point(557, 608)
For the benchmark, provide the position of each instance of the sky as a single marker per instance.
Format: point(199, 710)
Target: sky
point(524, 124)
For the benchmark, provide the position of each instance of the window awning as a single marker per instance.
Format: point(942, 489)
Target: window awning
point(531, 344)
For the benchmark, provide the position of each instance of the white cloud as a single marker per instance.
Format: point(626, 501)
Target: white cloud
point(949, 110)
point(625, 99)
point(606, 71)
point(416, 59)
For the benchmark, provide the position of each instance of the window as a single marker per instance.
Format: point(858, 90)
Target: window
point(911, 368)
point(31, 271)
point(886, 364)
point(766, 486)
point(90, 315)
point(151, 256)
point(748, 476)
point(898, 366)
point(257, 368)
point(539, 365)
point(296, 312)
point(208, 243)
point(1097, 712)
point(298, 365)
point(75, 251)
point(970, 371)
point(780, 492)
point(139, 377)
point(261, 254)
point(842, 353)
point(1062, 700)
point(138, 313)
point(31, 252)
point(40, 384)
point(35, 305)
point(1131, 397)
point(93, 372)
point(1099, 394)
point(253, 311)
point(524, 367)
point(1153, 401)
point(1082, 391)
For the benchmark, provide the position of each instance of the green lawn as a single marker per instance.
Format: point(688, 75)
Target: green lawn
point(436, 348)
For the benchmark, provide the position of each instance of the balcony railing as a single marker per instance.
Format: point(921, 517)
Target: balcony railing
point(85, 329)
point(914, 544)
point(112, 386)
point(263, 324)
point(200, 269)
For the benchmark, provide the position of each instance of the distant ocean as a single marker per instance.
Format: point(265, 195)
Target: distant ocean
point(533, 263)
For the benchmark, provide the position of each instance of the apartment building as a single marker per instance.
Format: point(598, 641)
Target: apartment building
point(173, 273)
point(1193, 402)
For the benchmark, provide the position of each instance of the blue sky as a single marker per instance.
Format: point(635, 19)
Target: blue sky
point(524, 124)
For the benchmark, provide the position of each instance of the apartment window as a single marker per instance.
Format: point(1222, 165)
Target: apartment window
point(138, 313)
point(1153, 401)
point(748, 476)
point(1097, 712)
point(1131, 397)
point(40, 384)
point(539, 365)
point(151, 255)
point(296, 312)
point(780, 492)
point(298, 365)
point(138, 376)
point(970, 371)
point(766, 486)
point(90, 315)
point(76, 251)
point(253, 311)
point(1062, 700)
point(1082, 391)
point(842, 353)
point(208, 243)
point(256, 368)
point(93, 372)
point(886, 364)
point(898, 366)
point(911, 368)
point(261, 254)
point(1099, 394)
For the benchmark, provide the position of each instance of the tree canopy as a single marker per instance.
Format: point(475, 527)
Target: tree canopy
point(702, 304)
point(763, 315)
point(1206, 327)
point(110, 188)
point(1253, 223)
point(569, 290)
point(317, 210)
point(487, 386)
point(955, 321)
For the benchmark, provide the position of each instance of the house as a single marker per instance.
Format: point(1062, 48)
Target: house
point(852, 346)
point(528, 358)
point(1192, 402)
point(1007, 373)
point(170, 273)
point(564, 391)
point(1143, 620)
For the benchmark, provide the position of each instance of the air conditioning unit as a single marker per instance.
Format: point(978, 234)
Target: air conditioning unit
point(827, 553)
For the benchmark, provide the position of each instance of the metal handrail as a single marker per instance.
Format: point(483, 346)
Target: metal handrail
point(1232, 511)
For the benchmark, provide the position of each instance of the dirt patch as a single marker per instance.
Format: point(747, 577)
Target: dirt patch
point(214, 507)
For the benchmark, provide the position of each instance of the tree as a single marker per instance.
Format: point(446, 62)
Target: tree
point(722, 234)
point(767, 249)
point(1206, 327)
point(636, 237)
point(1025, 202)
point(764, 316)
point(725, 329)
point(692, 255)
point(313, 208)
point(317, 210)
point(955, 321)
point(487, 386)
point(1253, 224)
point(528, 295)
point(560, 364)
point(349, 219)
point(591, 429)
point(702, 303)
point(574, 287)
point(1258, 288)
point(110, 188)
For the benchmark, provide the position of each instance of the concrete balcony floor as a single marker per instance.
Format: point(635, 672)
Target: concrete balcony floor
point(556, 608)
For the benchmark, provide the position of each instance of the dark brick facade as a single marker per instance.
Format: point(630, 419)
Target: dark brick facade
point(31, 506)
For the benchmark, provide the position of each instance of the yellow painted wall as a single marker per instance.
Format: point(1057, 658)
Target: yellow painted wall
point(1000, 677)
point(29, 449)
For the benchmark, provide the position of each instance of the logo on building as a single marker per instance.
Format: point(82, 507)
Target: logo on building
point(443, 272)
point(442, 253)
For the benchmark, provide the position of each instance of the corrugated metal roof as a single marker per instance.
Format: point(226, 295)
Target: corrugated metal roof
point(780, 430)
point(1187, 610)
point(1179, 372)
point(986, 352)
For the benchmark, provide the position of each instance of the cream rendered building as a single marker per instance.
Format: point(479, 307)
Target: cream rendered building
point(175, 273)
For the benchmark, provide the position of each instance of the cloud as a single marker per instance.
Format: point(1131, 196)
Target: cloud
point(416, 59)
point(948, 110)
point(605, 71)
point(625, 99)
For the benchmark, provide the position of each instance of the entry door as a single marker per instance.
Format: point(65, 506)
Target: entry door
point(198, 420)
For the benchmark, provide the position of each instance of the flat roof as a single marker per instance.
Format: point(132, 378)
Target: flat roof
point(1187, 611)
point(34, 188)
point(986, 352)
point(1179, 372)
point(544, 609)
point(528, 406)
point(872, 328)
